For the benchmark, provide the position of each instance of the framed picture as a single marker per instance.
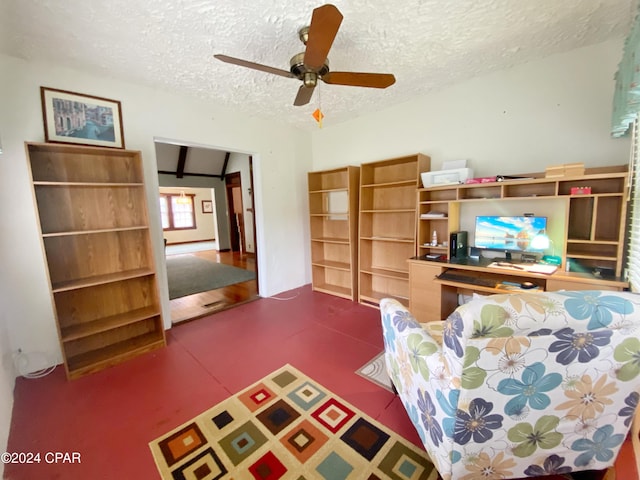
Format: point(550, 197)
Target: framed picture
point(207, 206)
point(84, 119)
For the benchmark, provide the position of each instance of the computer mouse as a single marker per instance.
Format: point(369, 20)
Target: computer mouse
point(527, 285)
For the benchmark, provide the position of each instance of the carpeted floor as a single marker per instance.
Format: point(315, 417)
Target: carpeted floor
point(287, 426)
point(189, 274)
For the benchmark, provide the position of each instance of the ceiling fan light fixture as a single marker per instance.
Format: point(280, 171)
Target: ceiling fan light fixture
point(310, 79)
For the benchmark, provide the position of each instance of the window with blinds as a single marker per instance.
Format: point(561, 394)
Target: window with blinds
point(633, 254)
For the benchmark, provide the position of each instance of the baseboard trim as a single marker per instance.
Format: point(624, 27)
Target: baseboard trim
point(193, 241)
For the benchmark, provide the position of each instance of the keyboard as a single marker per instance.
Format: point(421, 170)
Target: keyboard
point(461, 278)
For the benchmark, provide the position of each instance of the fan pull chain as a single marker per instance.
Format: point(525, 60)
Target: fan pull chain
point(318, 115)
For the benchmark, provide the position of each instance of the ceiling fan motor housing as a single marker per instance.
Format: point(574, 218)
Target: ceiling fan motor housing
point(313, 64)
point(308, 75)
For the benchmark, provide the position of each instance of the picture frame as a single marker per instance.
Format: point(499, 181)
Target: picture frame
point(207, 206)
point(77, 118)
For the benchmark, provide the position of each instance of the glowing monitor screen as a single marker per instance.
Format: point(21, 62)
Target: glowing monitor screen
point(508, 233)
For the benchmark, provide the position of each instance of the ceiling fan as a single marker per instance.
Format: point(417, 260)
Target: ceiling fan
point(313, 64)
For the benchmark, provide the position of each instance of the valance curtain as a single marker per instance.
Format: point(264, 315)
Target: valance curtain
point(626, 98)
point(626, 107)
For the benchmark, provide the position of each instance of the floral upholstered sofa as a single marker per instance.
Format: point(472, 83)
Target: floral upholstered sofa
point(519, 385)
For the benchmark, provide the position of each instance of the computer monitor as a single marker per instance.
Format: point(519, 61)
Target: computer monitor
point(508, 233)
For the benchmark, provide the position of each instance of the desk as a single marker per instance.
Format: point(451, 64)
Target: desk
point(433, 299)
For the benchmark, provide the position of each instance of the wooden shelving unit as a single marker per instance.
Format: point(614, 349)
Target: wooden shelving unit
point(333, 208)
point(387, 226)
point(93, 220)
point(594, 233)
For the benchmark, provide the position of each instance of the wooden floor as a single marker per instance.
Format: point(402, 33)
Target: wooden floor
point(206, 303)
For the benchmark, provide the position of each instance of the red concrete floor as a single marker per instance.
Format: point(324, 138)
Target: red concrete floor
point(109, 417)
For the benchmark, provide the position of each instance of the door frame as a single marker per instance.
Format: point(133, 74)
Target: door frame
point(237, 241)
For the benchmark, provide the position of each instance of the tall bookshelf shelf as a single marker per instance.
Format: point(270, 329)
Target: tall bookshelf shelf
point(333, 209)
point(93, 220)
point(387, 226)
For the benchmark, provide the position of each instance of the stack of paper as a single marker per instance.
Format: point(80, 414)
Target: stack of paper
point(433, 214)
point(526, 267)
point(540, 268)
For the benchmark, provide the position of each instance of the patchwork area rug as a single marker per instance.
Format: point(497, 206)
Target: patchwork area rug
point(375, 371)
point(287, 426)
point(189, 274)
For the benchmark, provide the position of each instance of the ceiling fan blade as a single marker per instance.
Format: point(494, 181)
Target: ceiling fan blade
point(255, 66)
point(325, 22)
point(304, 96)
point(359, 79)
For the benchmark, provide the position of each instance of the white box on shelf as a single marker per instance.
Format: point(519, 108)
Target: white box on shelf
point(443, 177)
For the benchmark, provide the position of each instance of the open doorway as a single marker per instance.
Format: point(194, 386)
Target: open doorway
point(233, 185)
point(204, 270)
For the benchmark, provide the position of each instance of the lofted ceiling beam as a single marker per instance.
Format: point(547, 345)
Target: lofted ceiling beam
point(182, 164)
point(182, 161)
point(224, 165)
point(185, 174)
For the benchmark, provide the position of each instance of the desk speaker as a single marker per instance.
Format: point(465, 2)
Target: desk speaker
point(458, 245)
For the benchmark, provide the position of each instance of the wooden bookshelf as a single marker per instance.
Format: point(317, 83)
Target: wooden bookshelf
point(387, 226)
point(93, 220)
point(333, 209)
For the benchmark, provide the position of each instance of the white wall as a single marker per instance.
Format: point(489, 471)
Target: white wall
point(7, 380)
point(552, 111)
point(281, 158)
point(205, 222)
point(219, 200)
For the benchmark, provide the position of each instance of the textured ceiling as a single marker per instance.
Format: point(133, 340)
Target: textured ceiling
point(427, 44)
